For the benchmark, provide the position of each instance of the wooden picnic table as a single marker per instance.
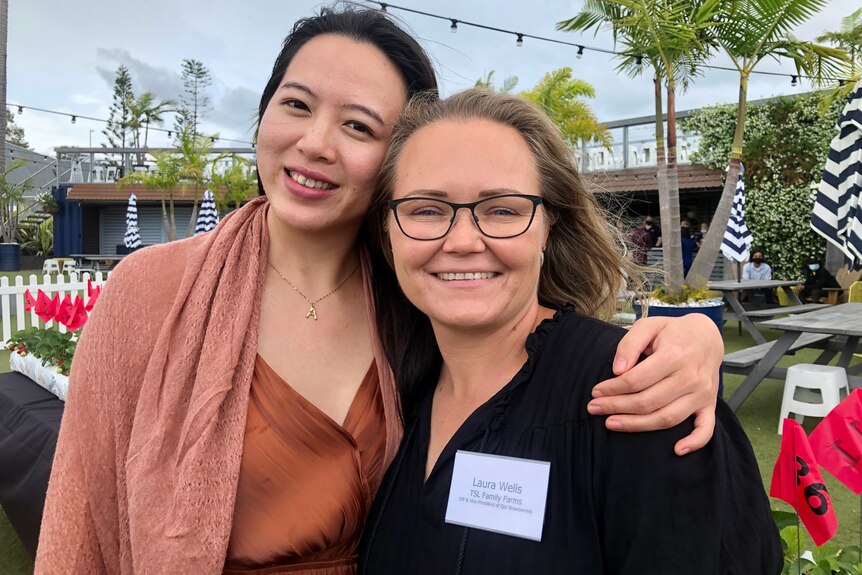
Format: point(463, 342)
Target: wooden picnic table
point(728, 288)
point(97, 259)
point(840, 327)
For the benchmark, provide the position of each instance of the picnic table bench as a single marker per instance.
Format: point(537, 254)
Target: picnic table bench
point(786, 310)
point(742, 360)
point(834, 329)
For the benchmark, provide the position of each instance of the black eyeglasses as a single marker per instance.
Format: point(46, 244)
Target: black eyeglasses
point(499, 217)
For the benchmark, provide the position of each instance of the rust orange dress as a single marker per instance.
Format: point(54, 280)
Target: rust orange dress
point(304, 484)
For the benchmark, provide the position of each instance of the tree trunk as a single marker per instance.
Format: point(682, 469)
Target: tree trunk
point(709, 248)
point(172, 223)
point(668, 198)
point(4, 34)
point(193, 220)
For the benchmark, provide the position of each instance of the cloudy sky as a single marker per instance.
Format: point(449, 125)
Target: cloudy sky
point(63, 56)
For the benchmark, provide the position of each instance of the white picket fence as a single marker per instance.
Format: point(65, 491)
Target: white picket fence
point(12, 297)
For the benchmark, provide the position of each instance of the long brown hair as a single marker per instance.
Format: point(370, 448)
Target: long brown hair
point(584, 266)
point(584, 263)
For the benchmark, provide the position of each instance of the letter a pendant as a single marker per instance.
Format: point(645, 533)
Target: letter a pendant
point(312, 313)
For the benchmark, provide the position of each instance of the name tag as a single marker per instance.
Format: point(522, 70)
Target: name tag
point(500, 494)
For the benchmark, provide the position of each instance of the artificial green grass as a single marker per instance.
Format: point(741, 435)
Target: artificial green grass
point(759, 418)
point(758, 415)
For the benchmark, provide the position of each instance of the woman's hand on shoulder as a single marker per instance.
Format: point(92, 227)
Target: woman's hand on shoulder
point(678, 378)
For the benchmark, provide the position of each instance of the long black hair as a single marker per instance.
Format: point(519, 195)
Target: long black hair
point(363, 25)
point(405, 332)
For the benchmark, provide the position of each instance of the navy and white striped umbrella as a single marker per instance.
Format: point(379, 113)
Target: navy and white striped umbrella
point(837, 213)
point(132, 239)
point(736, 244)
point(207, 214)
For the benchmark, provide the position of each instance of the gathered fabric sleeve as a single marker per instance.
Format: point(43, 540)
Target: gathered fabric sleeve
point(703, 513)
point(85, 520)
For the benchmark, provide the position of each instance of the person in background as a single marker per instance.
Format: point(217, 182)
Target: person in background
point(641, 242)
point(699, 235)
point(654, 231)
point(688, 246)
point(817, 278)
point(758, 269)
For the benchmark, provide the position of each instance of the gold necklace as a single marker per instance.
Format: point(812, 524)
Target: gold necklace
point(312, 312)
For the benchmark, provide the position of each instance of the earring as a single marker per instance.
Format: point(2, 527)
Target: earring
point(541, 258)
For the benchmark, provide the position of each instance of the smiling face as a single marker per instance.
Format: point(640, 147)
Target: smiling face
point(324, 133)
point(465, 279)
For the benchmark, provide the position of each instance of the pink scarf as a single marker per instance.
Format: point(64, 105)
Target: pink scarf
point(186, 441)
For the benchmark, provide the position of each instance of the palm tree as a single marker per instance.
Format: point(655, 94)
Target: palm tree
point(194, 158)
point(561, 97)
point(849, 37)
point(164, 177)
point(239, 182)
point(143, 111)
point(750, 31)
point(186, 165)
point(488, 83)
point(670, 37)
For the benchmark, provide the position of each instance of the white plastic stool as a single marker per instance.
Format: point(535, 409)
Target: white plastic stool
point(50, 267)
point(804, 381)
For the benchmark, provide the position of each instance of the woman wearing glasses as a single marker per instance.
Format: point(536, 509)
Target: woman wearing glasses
point(231, 406)
point(502, 470)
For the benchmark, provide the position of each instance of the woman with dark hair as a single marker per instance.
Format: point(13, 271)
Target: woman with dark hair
point(494, 237)
point(232, 407)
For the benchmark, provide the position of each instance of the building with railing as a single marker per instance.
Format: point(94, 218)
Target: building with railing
point(93, 201)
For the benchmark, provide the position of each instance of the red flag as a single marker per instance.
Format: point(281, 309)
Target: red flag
point(29, 301)
point(89, 287)
point(78, 315)
point(46, 308)
point(837, 442)
point(94, 295)
point(64, 310)
point(796, 479)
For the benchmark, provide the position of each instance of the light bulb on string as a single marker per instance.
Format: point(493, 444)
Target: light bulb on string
point(20, 110)
point(74, 119)
point(793, 80)
point(454, 26)
point(520, 41)
point(580, 52)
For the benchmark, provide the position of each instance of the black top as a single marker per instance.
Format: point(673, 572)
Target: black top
point(819, 279)
point(617, 502)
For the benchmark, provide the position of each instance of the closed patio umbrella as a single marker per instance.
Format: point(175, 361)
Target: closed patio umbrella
point(207, 214)
point(132, 239)
point(736, 244)
point(837, 213)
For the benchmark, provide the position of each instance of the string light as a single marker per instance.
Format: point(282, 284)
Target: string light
point(793, 80)
point(75, 117)
point(520, 42)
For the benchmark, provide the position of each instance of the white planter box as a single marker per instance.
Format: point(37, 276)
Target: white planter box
point(45, 375)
